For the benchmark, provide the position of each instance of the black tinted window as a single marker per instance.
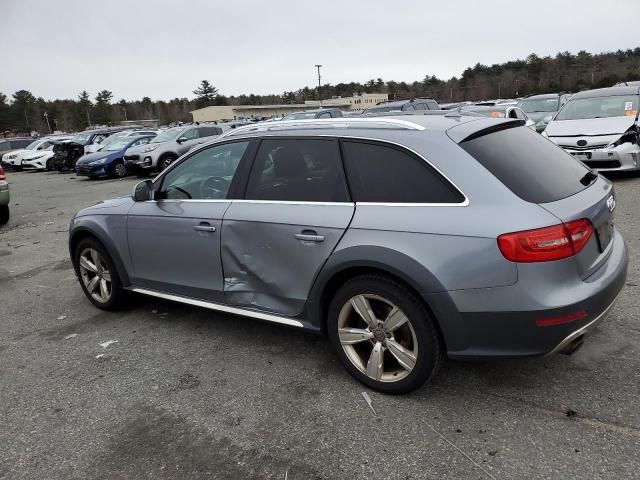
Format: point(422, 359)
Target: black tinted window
point(298, 170)
point(209, 131)
point(529, 165)
point(386, 174)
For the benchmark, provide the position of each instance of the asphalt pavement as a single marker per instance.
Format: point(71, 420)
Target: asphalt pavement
point(164, 390)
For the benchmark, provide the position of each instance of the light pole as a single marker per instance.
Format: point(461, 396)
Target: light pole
point(46, 116)
point(319, 97)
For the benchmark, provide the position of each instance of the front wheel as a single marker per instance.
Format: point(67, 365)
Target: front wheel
point(384, 334)
point(98, 275)
point(118, 170)
point(4, 214)
point(165, 161)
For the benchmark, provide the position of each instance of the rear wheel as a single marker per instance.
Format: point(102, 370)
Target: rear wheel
point(4, 214)
point(98, 275)
point(384, 334)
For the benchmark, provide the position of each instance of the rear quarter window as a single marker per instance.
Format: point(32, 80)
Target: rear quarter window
point(532, 167)
point(381, 173)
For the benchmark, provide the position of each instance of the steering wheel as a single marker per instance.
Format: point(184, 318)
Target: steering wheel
point(214, 187)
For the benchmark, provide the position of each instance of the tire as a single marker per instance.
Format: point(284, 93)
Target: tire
point(49, 164)
point(95, 292)
point(363, 350)
point(17, 168)
point(4, 214)
point(166, 160)
point(118, 169)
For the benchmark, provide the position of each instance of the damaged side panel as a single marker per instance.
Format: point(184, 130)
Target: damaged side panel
point(65, 155)
point(272, 252)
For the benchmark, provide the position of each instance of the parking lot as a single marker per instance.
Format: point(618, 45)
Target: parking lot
point(171, 391)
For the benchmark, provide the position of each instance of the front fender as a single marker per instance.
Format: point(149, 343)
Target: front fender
point(110, 230)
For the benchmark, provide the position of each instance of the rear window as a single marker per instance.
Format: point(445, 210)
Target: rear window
point(532, 167)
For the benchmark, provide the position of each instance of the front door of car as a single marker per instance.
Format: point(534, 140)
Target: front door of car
point(294, 212)
point(174, 240)
point(186, 140)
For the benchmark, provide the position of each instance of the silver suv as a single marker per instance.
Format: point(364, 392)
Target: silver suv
point(164, 149)
point(404, 239)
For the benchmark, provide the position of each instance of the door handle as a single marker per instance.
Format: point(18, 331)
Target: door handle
point(309, 236)
point(204, 227)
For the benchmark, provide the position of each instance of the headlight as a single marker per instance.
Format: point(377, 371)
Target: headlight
point(100, 162)
point(630, 136)
point(150, 148)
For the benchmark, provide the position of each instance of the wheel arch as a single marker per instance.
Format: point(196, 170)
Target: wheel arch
point(85, 231)
point(351, 262)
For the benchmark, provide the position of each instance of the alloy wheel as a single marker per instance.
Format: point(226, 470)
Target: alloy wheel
point(120, 169)
point(377, 338)
point(95, 275)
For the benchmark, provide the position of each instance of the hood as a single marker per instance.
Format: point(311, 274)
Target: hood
point(20, 151)
point(140, 148)
point(92, 157)
point(590, 127)
point(119, 205)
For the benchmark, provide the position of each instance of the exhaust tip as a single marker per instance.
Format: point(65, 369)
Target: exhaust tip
point(573, 347)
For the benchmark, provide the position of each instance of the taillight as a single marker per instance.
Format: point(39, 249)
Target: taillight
point(2, 175)
point(546, 244)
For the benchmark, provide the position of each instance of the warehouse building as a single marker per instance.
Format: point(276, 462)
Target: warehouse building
point(247, 112)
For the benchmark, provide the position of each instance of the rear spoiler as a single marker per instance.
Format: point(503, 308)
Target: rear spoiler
point(494, 128)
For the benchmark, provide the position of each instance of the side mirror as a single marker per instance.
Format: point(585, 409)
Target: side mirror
point(181, 140)
point(547, 119)
point(142, 191)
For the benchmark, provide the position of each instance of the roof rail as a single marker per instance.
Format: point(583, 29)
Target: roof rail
point(340, 122)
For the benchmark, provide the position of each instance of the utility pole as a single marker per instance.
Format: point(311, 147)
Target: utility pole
point(319, 97)
point(46, 116)
point(125, 113)
point(88, 118)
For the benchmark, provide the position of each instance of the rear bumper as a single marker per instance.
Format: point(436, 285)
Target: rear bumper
point(484, 323)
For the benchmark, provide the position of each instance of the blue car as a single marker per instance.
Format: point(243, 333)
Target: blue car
point(109, 162)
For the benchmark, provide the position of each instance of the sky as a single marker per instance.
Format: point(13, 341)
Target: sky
point(163, 49)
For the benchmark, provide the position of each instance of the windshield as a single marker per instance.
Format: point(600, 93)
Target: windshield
point(599, 107)
point(118, 144)
point(300, 116)
point(81, 138)
point(32, 145)
point(4, 146)
point(541, 105)
point(168, 135)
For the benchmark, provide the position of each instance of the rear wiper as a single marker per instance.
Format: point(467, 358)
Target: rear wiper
point(588, 178)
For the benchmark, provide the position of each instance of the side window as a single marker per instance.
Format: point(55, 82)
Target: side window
point(190, 134)
point(384, 174)
point(98, 138)
point(205, 175)
point(431, 105)
point(421, 106)
point(44, 145)
point(209, 131)
point(142, 141)
point(409, 106)
point(520, 114)
point(324, 115)
point(298, 170)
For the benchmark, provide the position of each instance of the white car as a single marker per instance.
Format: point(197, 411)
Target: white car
point(14, 158)
point(96, 147)
point(37, 159)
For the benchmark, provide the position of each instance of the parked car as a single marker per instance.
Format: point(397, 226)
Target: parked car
point(66, 154)
point(311, 114)
point(4, 197)
point(96, 147)
point(600, 127)
point(419, 103)
point(10, 149)
point(634, 83)
point(501, 111)
point(38, 159)
point(109, 161)
point(404, 239)
point(168, 146)
point(542, 108)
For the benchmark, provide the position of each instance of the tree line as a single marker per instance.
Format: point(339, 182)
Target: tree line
point(24, 112)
